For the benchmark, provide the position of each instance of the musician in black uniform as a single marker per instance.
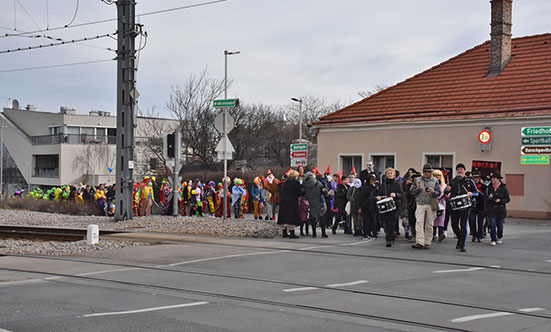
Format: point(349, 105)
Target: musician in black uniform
point(390, 188)
point(461, 185)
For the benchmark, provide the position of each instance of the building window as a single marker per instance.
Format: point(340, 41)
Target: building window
point(46, 166)
point(441, 161)
point(515, 184)
point(348, 161)
point(382, 162)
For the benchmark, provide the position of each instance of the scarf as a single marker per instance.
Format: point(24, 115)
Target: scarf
point(496, 186)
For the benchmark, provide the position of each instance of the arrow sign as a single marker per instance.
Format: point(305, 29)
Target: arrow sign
point(221, 103)
point(536, 149)
point(299, 154)
point(534, 160)
point(535, 131)
point(542, 140)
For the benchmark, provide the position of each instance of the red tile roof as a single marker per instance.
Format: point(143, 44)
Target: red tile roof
point(459, 89)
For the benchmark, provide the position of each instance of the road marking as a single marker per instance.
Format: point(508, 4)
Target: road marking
point(475, 317)
point(27, 281)
point(495, 266)
point(145, 310)
point(462, 270)
point(227, 256)
point(531, 309)
point(2, 330)
point(548, 261)
point(353, 283)
point(290, 290)
point(355, 243)
point(318, 247)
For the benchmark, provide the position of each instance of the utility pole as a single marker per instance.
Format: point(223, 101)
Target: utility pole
point(126, 101)
point(2, 162)
point(177, 139)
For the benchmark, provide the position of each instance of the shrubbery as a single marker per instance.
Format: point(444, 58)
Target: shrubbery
point(64, 207)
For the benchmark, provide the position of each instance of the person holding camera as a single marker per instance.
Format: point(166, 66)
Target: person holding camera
point(424, 189)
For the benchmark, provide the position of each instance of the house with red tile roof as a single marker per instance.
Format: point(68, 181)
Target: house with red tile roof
point(445, 115)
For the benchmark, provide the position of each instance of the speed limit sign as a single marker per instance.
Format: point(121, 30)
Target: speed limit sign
point(484, 137)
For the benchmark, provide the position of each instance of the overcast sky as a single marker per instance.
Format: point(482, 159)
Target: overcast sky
point(289, 48)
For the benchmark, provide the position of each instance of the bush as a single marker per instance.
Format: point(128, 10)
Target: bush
point(32, 204)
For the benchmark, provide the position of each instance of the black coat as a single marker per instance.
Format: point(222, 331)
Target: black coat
point(313, 190)
point(288, 203)
point(340, 196)
point(388, 187)
point(497, 209)
point(367, 200)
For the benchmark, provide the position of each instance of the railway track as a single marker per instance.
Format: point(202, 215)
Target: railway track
point(47, 233)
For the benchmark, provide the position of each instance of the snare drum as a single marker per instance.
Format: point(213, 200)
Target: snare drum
point(460, 202)
point(386, 205)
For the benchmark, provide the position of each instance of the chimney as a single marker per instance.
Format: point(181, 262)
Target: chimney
point(500, 36)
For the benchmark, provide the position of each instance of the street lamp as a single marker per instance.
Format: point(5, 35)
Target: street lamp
point(2, 162)
point(300, 118)
point(224, 132)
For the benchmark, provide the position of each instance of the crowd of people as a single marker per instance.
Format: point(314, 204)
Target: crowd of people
point(360, 204)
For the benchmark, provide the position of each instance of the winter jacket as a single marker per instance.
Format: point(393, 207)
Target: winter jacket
point(353, 196)
point(340, 196)
point(497, 209)
point(288, 203)
point(422, 197)
point(388, 187)
point(313, 191)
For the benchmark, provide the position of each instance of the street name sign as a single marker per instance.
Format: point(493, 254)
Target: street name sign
point(221, 103)
point(535, 131)
point(534, 160)
point(536, 149)
point(541, 140)
point(299, 161)
point(299, 154)
point(299, 147)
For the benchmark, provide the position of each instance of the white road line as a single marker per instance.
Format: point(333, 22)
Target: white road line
point(462, 270)
point(495, 266)
point(290, 290)
point(318, 247)
point(145, 310)
point(353, 283)
point(27, 281)
point(548, 261)
point(475, 317)
point(355, 243)
point(227, 256)
point(531, 309)
point(2, 330)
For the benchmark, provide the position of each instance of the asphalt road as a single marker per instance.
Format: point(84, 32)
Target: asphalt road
point(195, 283)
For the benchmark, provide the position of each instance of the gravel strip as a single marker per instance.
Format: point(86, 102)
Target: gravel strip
point(185, 225)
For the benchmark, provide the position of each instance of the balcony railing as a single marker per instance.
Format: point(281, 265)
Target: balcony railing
point(72, 139)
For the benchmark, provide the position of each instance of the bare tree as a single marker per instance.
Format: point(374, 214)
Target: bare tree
point(93, 157)
point(192, 106)
point(368, 93)
point(313, 108)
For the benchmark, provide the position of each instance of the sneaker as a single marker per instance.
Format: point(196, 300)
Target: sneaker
point(441, 237)
point(499, 241)
point(365, 238)
point(493, 243)
point(463, 249)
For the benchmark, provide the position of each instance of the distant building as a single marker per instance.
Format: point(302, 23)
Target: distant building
point(52, 149)
point(502, 86)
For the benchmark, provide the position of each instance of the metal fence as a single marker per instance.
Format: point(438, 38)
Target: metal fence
point(72, 139)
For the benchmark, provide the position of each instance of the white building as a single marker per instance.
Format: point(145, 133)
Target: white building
point(52, 149)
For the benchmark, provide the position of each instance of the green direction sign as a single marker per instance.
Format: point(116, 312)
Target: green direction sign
point(535, 131)
point(534, 160)
point(299, 147)
point(543, 140)
point(221, 103)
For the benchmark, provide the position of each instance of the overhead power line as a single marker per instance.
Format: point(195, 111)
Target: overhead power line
point(114, 19)
point(58, 43)
point(55, 66)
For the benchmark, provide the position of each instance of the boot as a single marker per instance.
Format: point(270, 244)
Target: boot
point(323, 234)
point(313, 231)
point(285, 233)
point(293, 235)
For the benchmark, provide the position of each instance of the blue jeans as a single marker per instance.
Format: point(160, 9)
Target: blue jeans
point(496, 223)
point(237, 209)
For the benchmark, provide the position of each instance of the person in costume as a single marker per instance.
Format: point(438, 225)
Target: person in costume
point(146, 196)
point(210, 195)
point(271, 184)
point(237, 196)
point(258, 198)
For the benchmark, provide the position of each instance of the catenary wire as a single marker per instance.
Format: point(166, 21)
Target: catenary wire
point(55, 66)
point(74, 16)
point(114, 19)
point(56, 44)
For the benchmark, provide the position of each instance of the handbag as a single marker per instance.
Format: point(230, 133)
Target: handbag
point(441, 209)
point(434, 203)
point(348, 207)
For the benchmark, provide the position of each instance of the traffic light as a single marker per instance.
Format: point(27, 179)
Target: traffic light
point(170, 145)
